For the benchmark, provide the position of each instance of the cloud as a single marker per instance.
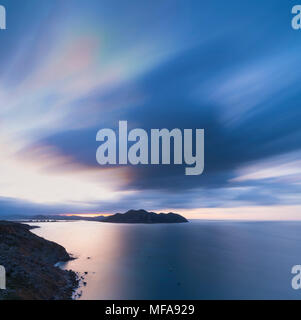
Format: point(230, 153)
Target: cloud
point(78, 68)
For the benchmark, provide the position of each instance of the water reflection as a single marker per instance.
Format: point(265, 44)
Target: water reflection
point(199, 260)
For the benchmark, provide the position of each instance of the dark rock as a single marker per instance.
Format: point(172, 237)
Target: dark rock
point(142, 216)
point(29, 262)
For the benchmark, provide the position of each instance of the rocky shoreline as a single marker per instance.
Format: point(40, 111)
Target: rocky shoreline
point(29, 262)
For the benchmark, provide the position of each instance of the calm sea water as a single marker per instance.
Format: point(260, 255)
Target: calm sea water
point(196, 260)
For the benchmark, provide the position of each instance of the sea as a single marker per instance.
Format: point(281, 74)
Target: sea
point(197, 260)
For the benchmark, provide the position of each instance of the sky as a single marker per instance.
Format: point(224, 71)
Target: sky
point(70, 68)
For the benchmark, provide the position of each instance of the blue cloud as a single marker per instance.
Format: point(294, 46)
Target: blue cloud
point(231, 68)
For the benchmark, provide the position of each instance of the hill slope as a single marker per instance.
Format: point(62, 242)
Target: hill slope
point(143, 216)
point(29, 262)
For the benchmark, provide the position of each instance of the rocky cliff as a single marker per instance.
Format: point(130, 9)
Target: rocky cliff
point(29, 262)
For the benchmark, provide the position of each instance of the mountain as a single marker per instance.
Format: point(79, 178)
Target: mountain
point(29, 262)
point(143, 216)
point(131, 216)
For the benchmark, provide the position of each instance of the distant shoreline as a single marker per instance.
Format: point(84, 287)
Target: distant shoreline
point(131, 216)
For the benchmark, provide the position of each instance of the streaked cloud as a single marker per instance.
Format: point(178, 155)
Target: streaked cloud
point(81, 66)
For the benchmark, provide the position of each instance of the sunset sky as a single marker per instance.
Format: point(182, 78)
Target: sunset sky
point(70, 68)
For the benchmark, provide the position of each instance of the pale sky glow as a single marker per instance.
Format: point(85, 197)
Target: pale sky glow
point(288, 165)
point(30, 179)
point(245, 213)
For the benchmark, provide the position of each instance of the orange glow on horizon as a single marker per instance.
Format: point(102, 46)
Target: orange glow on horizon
point(257, 213)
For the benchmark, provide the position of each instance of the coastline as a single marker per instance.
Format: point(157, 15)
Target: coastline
point(30, 261)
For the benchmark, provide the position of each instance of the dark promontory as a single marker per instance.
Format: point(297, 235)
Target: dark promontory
point(143, 216)
point(29, 262)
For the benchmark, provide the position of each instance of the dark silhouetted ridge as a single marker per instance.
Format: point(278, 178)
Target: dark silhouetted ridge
point(143, 216)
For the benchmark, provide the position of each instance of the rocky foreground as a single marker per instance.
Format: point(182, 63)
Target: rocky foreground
point(29, 262)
